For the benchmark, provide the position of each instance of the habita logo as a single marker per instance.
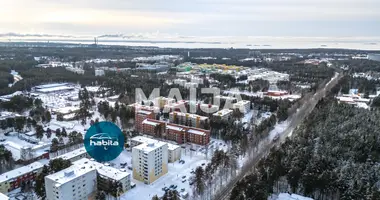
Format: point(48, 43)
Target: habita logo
point(104, 141)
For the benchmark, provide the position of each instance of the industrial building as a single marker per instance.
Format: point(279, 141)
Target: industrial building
point(55, 87)
point(150, 161)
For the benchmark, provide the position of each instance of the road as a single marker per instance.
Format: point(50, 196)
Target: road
point(266, 145)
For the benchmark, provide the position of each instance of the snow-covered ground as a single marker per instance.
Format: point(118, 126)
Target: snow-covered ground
point(176, 171)
point(286, 196)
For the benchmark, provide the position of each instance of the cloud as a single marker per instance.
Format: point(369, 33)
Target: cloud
point(208, 17)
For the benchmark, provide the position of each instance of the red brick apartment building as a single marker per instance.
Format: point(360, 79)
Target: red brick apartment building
point(140, 116)
point(183, 134)
point(149, 127)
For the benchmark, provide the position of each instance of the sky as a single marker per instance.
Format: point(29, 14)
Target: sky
point(307, 18)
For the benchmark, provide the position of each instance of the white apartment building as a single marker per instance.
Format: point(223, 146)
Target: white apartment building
point(99, 72)
point(79, 181)
point(223, 114)
point(174, 151)
point(243, 105)
point(107, 173)
point(150, 161)
point(74, 183)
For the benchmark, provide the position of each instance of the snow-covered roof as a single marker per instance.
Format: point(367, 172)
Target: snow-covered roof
point(67, 110)
point(55, 89)
point(72, 154)
point(176, 128)
point(193, 131)
point(189, 115)
point(103, 170)
point(3, 196)
point(20, 171)
point(145, 112)
point(223, 112)
point(286, 196)
point(51, 85)
point(70, 173)
point(152, 123)
point(172, 147)
point(148, 147)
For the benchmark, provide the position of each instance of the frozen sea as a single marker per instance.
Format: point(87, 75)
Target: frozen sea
point(364, 43)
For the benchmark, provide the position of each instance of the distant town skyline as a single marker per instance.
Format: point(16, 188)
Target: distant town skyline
point(195, 18)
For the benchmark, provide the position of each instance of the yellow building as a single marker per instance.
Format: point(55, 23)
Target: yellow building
point(150, 161)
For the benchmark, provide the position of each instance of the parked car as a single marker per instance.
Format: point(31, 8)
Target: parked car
point(203, 164)
point(184, 180)
point(183, 189)
point(164, 188)
point(183, 177)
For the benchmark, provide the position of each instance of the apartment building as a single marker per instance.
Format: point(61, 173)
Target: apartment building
point(162, 101)
point(74, 155)
point(107, 174)
point(197, 80)
point(140, 116)
point(184, 134)
point(188, 119)
point(153, 127)
point(243, 105)
point(76, 183)
point(174, 151)
point(150, 161)
point(80, 182)
point(177, 106)
point(223, 114)
point(12, 180)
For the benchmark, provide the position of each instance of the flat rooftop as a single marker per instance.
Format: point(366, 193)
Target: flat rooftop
point(107, 171)
point(69, 174)
point(20, 171)
point(148, 147)
point(188, 115)
point(143, 139)
point(193, 131)
point(176, 128)
point(223, 112)
point(54, 89)
point(149, 122)
point(72, 154)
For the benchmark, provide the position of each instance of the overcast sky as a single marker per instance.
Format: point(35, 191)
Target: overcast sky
point(193, 17)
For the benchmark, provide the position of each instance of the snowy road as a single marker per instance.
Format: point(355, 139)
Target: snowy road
point(265, 145)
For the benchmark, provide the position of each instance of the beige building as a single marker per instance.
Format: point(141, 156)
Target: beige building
point(150, 161)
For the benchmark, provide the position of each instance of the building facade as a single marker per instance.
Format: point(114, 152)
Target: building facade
point(140, 116)
point(188, 119)
point(150, 161)
point(99, 72)
point(243, 105)
point(174, 151)
point(12, 180)
point(75, 183)
point(224, 114)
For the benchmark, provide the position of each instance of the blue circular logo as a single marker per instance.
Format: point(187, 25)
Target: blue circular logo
point(104, 141)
